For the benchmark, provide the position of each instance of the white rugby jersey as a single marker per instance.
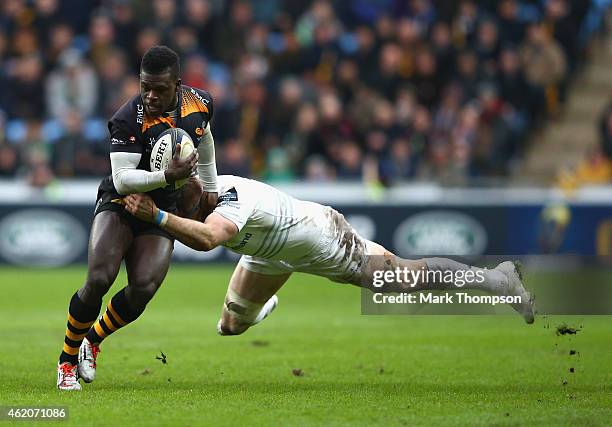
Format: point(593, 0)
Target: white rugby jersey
point(271, 224)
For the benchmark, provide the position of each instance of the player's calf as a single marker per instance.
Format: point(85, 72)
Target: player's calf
point(431, 273)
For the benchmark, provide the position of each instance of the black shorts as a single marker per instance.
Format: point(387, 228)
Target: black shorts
point(110, 201)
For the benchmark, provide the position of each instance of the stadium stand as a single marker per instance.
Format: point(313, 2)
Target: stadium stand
point(304, 90)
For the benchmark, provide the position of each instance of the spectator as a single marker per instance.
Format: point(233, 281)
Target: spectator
point(9, 160)
point(318, 170)
point(125, 25)
point(47, 14)
point(102, 37)
point(198, 16)
point(229, 42)
point(487, 47)
point(36, 156)
point(387, 80)
point(468, 75)
point(544, 64)
point(605, 132)
point(111, 77)
point(61, 38)
point(399, 164)
point(74, 86)
point(426, 78)
point(511, 29)
point(443, 49)
point(349, 158)
point(233, 159)
point(26, 89)
point(164, 16)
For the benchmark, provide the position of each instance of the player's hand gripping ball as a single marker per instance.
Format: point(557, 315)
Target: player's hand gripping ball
point(175, 153)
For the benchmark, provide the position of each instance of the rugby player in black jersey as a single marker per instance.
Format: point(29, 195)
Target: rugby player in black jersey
point(163, 102)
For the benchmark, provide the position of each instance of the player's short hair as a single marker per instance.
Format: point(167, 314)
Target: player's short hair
point(159, 60)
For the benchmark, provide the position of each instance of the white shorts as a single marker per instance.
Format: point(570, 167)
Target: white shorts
point(339, 255)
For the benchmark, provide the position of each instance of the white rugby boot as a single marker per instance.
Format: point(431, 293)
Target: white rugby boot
point(67, 377)
point(526, 307)
point(88, 353)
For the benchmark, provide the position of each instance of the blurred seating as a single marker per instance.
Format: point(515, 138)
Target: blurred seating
point(303, 90)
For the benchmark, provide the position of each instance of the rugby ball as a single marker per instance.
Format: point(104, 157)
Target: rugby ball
point(164, 148)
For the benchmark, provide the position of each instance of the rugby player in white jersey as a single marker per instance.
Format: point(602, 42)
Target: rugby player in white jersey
point(278, 235)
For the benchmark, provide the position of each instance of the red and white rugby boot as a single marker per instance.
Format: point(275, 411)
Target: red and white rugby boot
point(88, 353)
point(67, 377)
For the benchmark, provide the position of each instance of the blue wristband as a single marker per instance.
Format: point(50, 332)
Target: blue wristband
point(160, 217)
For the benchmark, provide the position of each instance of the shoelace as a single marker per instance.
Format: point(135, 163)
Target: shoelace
point(94, 353)
point(68, 371)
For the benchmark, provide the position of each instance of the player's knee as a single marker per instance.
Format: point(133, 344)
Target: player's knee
point(143, 290)
point(99, 281)
point(238, 314)
point(240, 310)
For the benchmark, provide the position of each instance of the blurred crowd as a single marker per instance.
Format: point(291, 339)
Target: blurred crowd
point(595, 168)
point(319, 90)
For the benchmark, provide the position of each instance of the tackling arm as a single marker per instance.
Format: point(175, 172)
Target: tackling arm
point(197, 235)
point(201, 236)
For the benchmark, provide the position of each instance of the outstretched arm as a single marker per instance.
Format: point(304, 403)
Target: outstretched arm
point(197, 235)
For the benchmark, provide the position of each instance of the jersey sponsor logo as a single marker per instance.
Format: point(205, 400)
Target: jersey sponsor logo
point(230, 195)
point(117, 141)
point(243, 242)
point(198, 96)
point(139, 114)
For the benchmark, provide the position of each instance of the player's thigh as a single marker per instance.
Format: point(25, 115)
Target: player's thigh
point(109, 241)
point(256, 287)
point(148, 260)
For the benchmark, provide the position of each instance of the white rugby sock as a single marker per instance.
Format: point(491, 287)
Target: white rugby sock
point(492, 280)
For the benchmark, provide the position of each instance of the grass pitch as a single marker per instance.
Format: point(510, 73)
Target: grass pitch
point(353, 369)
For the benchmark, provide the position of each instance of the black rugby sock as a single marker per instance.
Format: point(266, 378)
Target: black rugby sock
point(80, 318)
point(118, 314)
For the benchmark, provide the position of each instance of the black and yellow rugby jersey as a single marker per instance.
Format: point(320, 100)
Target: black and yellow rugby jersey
point(132, 131)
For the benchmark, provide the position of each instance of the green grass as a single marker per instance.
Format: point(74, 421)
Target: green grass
point(358, 370)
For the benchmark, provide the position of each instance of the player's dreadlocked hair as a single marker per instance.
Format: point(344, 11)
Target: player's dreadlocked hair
point(160, 59)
